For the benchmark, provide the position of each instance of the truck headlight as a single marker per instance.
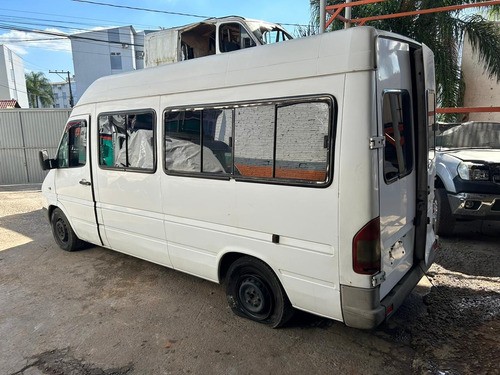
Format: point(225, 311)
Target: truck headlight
point(473, 172)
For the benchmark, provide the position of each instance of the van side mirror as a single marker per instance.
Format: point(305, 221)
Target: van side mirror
point(45, 162)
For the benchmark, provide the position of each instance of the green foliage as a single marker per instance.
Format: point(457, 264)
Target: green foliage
point(443, 32)
point(39, 90)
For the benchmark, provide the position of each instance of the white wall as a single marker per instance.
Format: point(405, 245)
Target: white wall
point(480, 90)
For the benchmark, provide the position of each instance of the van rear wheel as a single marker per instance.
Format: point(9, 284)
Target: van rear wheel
point(63, 233)
point(254, 292)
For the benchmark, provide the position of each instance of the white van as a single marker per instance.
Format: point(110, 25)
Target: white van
point(296, 173)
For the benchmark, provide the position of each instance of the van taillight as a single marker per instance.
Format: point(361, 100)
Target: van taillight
point(366, 249)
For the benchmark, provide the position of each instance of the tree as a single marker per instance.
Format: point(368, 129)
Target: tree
point(443, 32)
point(39, 90)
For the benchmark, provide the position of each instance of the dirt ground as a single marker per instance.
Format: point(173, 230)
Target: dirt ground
point(100, 312)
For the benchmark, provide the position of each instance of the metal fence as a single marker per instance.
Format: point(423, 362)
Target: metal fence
point(22, 134)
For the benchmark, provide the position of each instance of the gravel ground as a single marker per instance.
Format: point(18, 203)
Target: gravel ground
point(100, 312)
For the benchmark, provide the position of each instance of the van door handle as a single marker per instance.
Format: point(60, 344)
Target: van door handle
point(84, 182)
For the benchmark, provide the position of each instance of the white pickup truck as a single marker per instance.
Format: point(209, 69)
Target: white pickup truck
point(467, 158)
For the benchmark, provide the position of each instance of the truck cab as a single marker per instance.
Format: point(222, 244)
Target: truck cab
point(209, 37)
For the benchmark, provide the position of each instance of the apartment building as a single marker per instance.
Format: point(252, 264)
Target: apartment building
point(105, 52)
point(62, 94)
point(12, 80)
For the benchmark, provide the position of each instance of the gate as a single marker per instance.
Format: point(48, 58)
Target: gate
point(23, 132)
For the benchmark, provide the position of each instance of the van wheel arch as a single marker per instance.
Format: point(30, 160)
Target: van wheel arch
point(63, 233)
point(438, 183)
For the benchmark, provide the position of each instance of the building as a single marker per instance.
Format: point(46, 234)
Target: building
point(62, 94)
point(105, 52)
point(12, 80)
point(480, 89)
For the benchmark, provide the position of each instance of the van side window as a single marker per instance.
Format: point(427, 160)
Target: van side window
point(199, 141)
point(73, 148)
point(254, 141)
point(281, 142)
point(126, 141)
point(397, 124)
point(302, 141)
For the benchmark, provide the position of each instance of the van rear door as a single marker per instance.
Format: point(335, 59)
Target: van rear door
point(397, 175)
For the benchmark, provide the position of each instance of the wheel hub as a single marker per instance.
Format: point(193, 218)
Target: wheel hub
point(61, 231)
point(255, 297)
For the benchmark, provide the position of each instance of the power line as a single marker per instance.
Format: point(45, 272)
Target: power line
point(75, 30)
point(63, 35)
point(163, 11)
point(79, 18)
point(142, 9)
point(30, 40)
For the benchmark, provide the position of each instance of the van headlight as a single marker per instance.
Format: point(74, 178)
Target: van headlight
point(473, 171)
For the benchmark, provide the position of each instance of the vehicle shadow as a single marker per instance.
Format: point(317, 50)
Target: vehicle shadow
point(474, 249)
point(451, 327)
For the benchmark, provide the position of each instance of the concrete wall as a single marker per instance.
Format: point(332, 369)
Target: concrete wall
point(480, 90)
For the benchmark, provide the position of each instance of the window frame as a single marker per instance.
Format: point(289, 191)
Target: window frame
point(69, 125)
point(409, 113)
point(155, 133)
point(277, 103)
point(221, 36)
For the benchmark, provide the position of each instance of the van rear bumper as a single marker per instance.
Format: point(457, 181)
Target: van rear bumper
point(362, 307)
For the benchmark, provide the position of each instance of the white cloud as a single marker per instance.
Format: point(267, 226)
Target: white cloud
point(19, 41)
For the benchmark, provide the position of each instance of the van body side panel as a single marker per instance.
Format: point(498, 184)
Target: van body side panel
point(207, 218)
point(357, 169)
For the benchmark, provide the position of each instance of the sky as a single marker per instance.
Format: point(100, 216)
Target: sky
point(17, 18)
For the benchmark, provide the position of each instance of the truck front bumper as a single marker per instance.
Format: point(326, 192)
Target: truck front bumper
point(475, 206)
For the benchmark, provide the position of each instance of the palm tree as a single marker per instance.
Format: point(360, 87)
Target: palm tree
point(39, 90)
point(443, 32)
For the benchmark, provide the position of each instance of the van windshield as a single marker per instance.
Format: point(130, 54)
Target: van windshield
point(268, 33)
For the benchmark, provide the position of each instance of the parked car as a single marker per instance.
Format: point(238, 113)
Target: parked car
point(467, 158)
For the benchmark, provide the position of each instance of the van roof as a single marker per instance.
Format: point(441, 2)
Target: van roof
point(330, 53)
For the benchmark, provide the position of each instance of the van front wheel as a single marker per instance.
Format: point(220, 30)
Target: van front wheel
point(254, 292)
point(63, 233)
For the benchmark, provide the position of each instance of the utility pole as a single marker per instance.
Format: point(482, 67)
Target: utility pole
point(322, 16)
point(71, 104)
point(348, 12)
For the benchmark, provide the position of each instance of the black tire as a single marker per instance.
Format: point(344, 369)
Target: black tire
point(445, 222)
point(64, 235)
point(254, 292)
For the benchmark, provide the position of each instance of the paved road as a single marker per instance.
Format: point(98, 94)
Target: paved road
point(100, 312)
